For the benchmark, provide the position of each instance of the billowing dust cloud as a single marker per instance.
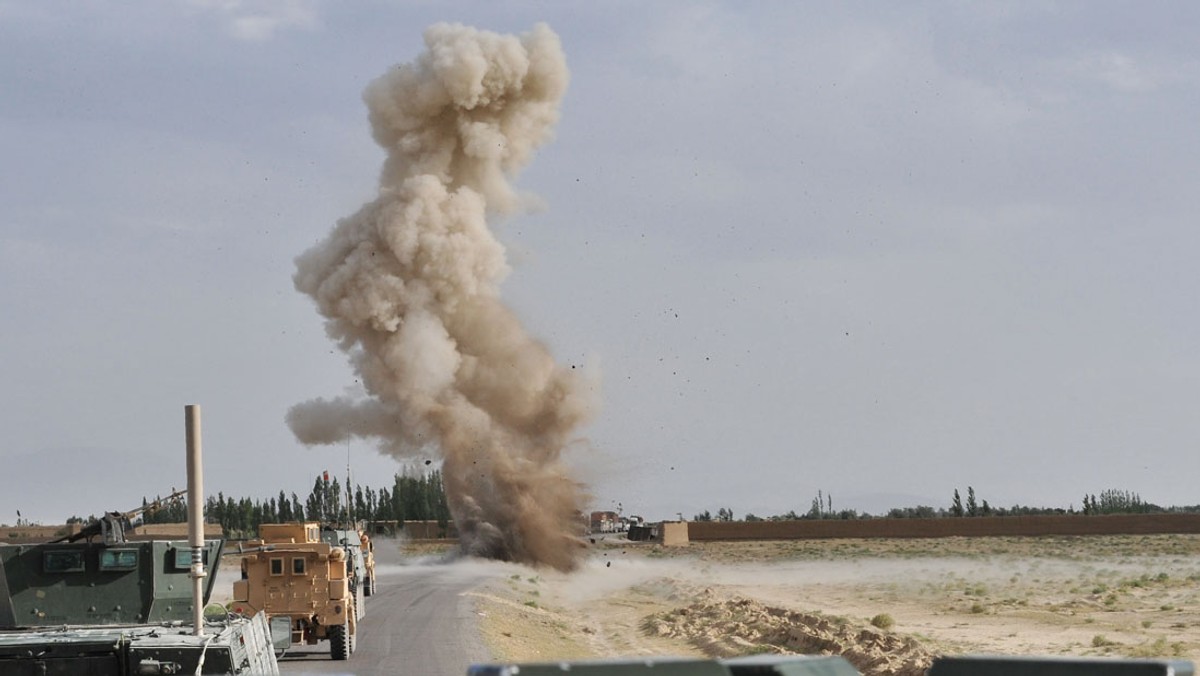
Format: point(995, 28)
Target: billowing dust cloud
point(409, 287)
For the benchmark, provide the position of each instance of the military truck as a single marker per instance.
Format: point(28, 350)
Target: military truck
point(98, 603)
point(360, 552)
point(291, 572)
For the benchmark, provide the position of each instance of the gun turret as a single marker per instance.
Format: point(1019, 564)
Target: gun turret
point(113, 525)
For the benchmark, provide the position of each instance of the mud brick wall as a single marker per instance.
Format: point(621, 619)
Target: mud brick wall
point(1115, 524)
point(175, 530)
point(429, 530)
point(672, 533)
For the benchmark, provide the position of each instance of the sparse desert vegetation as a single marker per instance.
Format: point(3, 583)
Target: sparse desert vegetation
point(890, 605)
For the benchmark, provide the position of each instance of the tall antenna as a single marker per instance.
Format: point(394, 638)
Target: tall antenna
point(349, 491)
point(195, 503)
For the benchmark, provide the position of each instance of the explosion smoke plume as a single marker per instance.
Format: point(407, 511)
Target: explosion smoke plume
point(409, 287)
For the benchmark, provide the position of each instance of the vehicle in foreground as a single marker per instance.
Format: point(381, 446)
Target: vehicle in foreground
point(100, 604)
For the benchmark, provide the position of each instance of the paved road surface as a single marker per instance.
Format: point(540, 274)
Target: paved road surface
point(418, 622)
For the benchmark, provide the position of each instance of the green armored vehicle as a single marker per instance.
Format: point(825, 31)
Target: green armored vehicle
point(97, 603)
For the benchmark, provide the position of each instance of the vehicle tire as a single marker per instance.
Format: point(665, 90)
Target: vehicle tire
point(340, 640)
point(367, 586)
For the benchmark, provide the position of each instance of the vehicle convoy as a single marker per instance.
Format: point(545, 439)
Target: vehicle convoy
point(293, 573)
point(101, 604)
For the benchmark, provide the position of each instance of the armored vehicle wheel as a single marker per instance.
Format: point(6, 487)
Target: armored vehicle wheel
point(340, 640)
point(368, 586)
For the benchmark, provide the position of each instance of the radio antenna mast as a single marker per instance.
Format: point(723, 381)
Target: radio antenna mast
point(349, 491)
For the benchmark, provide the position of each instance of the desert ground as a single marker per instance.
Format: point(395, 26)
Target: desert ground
point(889, 606)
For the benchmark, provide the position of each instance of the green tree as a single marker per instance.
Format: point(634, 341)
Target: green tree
point(818, 504)
point(285, 508)
point(918, 512)
point(334, 503)
point(315, 506)
point(1113, 501)
point(383, 511)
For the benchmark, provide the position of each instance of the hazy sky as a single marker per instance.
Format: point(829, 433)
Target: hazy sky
point(878, 251)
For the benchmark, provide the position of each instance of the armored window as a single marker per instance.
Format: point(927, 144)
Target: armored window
point(70, 561)
point(277, 566)
point(298, 565)
point(119, 559)
point(183, 558)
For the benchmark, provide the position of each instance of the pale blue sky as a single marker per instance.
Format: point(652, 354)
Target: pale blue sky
point(881, 252)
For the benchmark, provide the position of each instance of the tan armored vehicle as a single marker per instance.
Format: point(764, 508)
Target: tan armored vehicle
point(293, 572)
point(368, 549)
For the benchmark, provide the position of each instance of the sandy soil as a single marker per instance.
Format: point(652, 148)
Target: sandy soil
point(889, 606)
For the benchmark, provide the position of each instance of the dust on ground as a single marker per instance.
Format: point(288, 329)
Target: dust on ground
point(888, 606)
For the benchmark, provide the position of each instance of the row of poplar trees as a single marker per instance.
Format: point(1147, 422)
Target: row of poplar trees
point(410, 498)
